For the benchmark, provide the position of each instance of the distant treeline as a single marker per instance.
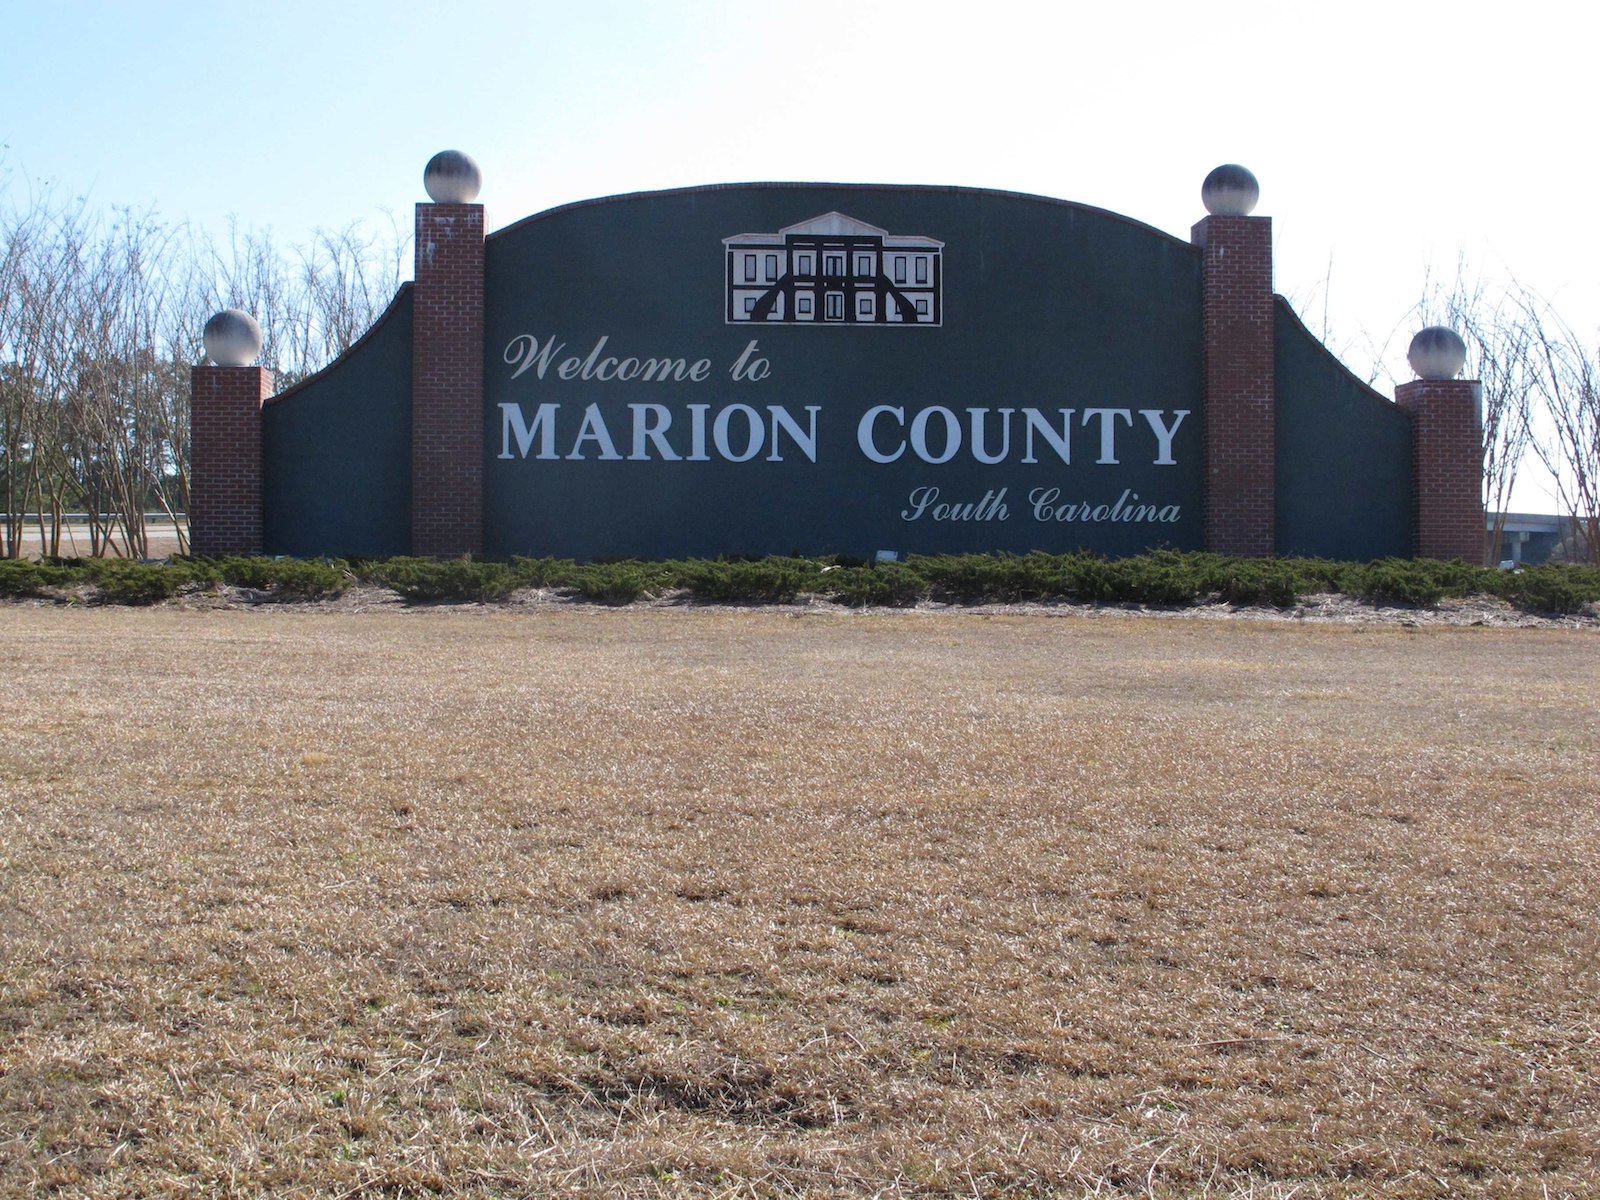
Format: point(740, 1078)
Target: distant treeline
point(100, 322)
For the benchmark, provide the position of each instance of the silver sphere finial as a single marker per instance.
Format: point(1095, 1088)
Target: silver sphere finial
point(451, 177)
point(1230, 191)
point(232, 338)
point(1437, 353)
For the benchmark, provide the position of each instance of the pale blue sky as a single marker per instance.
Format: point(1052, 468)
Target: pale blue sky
point(1387, 137)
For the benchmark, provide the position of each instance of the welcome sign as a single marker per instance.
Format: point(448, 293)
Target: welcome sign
point(829, 369)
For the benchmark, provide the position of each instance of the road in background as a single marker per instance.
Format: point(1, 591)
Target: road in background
point(162, 541)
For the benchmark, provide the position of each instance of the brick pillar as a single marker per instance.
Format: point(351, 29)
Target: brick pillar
point(1446, 467)
point(1240, 426)
point(447, 382)
point(225, 458)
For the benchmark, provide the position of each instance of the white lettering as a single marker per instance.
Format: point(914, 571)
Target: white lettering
point(755, 369)
point(665, 368)
point(925, 500)
point(697, 433)
point(864, 433)
point(588, 363)
point(523, 352)
point(980, 448)
point(805, 441)
point(920, 499)
point(919, 434)
point(719, 433)
point(1033, 420)
point(1164, 432)
point(644, 429)
point(513, 426)
point(594, 430)
point(1108, 430)
point(1046, 508)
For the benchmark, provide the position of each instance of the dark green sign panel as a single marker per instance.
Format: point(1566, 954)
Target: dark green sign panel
point(827, 369)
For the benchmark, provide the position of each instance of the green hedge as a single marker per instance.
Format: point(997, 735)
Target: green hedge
point(427, 579)
point(1551, 587)
point(889, 583)
point(122, 581)
point(21, 577)
point(1164, 578)
point(283, 578)
point(764, 581)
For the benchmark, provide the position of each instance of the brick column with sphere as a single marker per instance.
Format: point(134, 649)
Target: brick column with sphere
point(447, 363)
point(1240, 431)
point(225, 493)
point(1446, 449)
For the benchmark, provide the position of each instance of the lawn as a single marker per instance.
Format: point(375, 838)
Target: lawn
point(707, 902)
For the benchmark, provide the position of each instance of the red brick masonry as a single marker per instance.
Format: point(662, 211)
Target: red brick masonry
point(1447, 467)
point(1240, 425)
point(225, 458)
point(447, 382)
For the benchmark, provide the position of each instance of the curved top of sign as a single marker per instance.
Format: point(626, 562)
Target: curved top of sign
point(732, 369)
point(929, 189)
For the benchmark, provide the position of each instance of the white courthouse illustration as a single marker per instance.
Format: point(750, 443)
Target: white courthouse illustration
point(834, 270)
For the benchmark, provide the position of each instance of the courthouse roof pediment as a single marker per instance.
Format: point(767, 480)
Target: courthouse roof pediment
point(834, 224)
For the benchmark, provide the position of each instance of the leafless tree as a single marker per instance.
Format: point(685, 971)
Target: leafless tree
point(15, 388)
point(42, 241)
point(100, 321)
point(1567, 426)
point(316, 302)
point(1501, 356)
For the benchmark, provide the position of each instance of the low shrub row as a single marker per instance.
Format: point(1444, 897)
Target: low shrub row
point(281, 578)
point(1164, 578)
point(121, 581)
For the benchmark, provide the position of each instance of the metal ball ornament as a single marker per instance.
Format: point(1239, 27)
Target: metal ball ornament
point(451, 177)
point(1230, 191)
point(232, 338)
point(1437, 353)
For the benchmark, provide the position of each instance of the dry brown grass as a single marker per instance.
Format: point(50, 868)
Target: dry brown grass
point(746, 904)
